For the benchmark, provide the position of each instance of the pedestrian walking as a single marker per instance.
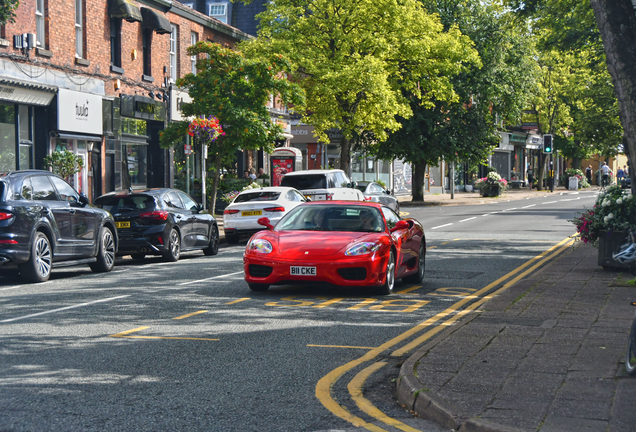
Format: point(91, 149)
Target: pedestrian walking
point(530, 178)
point(605, 172)
point(588, 174)
point(620, 175)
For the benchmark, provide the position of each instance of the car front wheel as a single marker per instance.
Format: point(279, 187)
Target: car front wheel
point(421, 268)
point(105, 253)
point(389, 282)
point(174, 247)
point(213, 247)
point(38, 267)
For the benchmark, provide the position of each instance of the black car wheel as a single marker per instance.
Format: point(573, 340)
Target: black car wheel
point(231, 238)
point(213, 248)
point(421, 268)
point(174, 247)
point(106, 253)
point(38, 267)
point(389, 283)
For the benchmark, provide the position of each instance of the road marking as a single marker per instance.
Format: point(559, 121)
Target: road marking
point(328, 302)
point(510, 209)
point(464, 220)
point(324, 385)
point(408, 290)
point(549, 202)
point(441, 226)
point(355, 390)
point(191, 314)
point(239, 300)
point(431, 247)
point(340, 346)
point(12, 288)
point(531, 205)
point(126, 334)
point(65, 308)
point(211, 278)
point(445, 243)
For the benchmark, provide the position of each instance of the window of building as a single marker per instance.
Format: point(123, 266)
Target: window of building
point(115, 42)
point(173, 52)
point(193, 59)
point(25, 117)
point(7, 137)
point(79, 28)
point(40, 28)
point(147, 51)
point(134, 165)
point(218, 11)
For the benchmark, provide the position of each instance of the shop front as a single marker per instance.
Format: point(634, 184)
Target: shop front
point(316, 155)
point(79, 130)
point(23, 119)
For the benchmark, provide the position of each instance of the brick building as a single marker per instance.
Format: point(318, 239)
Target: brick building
point(95, 77)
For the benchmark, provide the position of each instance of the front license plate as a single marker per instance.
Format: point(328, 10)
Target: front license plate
point(122, 224)
point(252, 213)
point(302, 271)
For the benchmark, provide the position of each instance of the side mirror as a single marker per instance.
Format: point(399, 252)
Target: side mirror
point(83, 199)
point(308, 199)
point(265, 222)
point(400, 226)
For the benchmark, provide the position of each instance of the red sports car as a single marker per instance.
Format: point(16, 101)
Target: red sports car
point(341, 243)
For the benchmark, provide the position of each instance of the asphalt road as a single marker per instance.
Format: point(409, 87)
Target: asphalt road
point(156, 346)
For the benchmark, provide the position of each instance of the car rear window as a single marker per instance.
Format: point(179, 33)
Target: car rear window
point(118, 204)
point(257, 196)
point(318, 181)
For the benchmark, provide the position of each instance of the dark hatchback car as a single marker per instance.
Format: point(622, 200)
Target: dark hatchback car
point(160, 222)
point(45, 223)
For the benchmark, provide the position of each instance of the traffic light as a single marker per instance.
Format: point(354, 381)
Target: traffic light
point(547, 144)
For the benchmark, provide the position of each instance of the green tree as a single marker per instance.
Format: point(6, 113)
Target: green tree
point(490, 92)
point(360, 62)
point(7, 11)
point(235, 88)
point(64, 163)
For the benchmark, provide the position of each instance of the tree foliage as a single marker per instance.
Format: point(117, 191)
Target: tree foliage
point(492, 91)
point(362, 62)
point(7, 11)
point(235, 88)
point(64, 163)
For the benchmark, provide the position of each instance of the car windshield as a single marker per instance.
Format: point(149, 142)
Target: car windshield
point(257, 196)
point(301, 182)
point(361, 186)
point(120, 204)
point(329, 218)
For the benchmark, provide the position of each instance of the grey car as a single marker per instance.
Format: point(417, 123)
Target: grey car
point(374, 192)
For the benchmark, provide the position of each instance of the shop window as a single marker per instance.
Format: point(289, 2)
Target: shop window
point(40, 24)
point(115, 42)
point(134, 165)
point(7, 137)
point(147, 51)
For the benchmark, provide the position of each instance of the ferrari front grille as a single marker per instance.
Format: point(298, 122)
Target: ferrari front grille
point(260, 270)
point(353, 273)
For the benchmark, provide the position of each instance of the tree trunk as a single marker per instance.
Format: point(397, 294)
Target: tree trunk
point(541, 173)
point(419, 170)
point(345, 156)
point(576, 163)
point(215, 183)
point(616, 22)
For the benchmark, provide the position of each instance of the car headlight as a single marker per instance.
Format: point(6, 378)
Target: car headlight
point(362, 248)
point(260, 246)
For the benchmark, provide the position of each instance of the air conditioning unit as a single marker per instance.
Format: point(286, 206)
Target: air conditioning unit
point(17, 41)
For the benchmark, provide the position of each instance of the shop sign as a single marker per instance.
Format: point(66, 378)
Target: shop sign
point(187, 149)
point(534, 142)
point(178, 97)
point(302, 134)
point(518, 138)
point(79, 112)
point(142, 107)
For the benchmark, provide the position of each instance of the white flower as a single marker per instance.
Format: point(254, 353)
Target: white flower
point(610, 216)
point(629, 197)
point(619, 201)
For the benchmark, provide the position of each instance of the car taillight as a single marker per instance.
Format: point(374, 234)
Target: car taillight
point(157, 215)
point(230, 211)
point(5, 215)
point(274, 209)
point(329, 197)
point(8, 242)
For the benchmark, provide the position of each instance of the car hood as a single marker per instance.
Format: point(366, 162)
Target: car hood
point(319, 243)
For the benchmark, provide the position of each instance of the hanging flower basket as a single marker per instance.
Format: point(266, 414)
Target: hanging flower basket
point(206, 130)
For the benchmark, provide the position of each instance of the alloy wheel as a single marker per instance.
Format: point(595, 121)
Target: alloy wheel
point(42, 257)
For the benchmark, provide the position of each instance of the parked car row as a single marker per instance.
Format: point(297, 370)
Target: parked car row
point(45, 223)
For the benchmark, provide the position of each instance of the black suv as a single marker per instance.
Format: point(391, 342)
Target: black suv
point(160, 222)
point(45, 223)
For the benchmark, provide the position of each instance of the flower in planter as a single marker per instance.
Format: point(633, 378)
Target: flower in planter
point(487, 184)
point(613, 211)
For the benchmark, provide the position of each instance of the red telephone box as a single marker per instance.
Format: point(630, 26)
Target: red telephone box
point(284, 160)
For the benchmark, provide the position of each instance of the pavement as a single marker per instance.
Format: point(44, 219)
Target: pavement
point(547, 354)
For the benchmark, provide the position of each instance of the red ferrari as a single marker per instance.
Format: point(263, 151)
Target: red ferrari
point(342, 243)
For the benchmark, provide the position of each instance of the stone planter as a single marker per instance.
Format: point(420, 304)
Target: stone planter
point(490, 191)
point(608, 244)
point(468, 188)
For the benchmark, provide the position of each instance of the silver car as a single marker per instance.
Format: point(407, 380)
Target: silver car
point(373, 191)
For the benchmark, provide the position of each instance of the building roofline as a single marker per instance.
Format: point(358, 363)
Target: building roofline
point(213, 23)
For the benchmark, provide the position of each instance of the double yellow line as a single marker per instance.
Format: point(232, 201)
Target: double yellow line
point(324, 386)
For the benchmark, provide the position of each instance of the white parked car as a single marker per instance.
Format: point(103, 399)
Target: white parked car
point(320, 185)
point(241, 216)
